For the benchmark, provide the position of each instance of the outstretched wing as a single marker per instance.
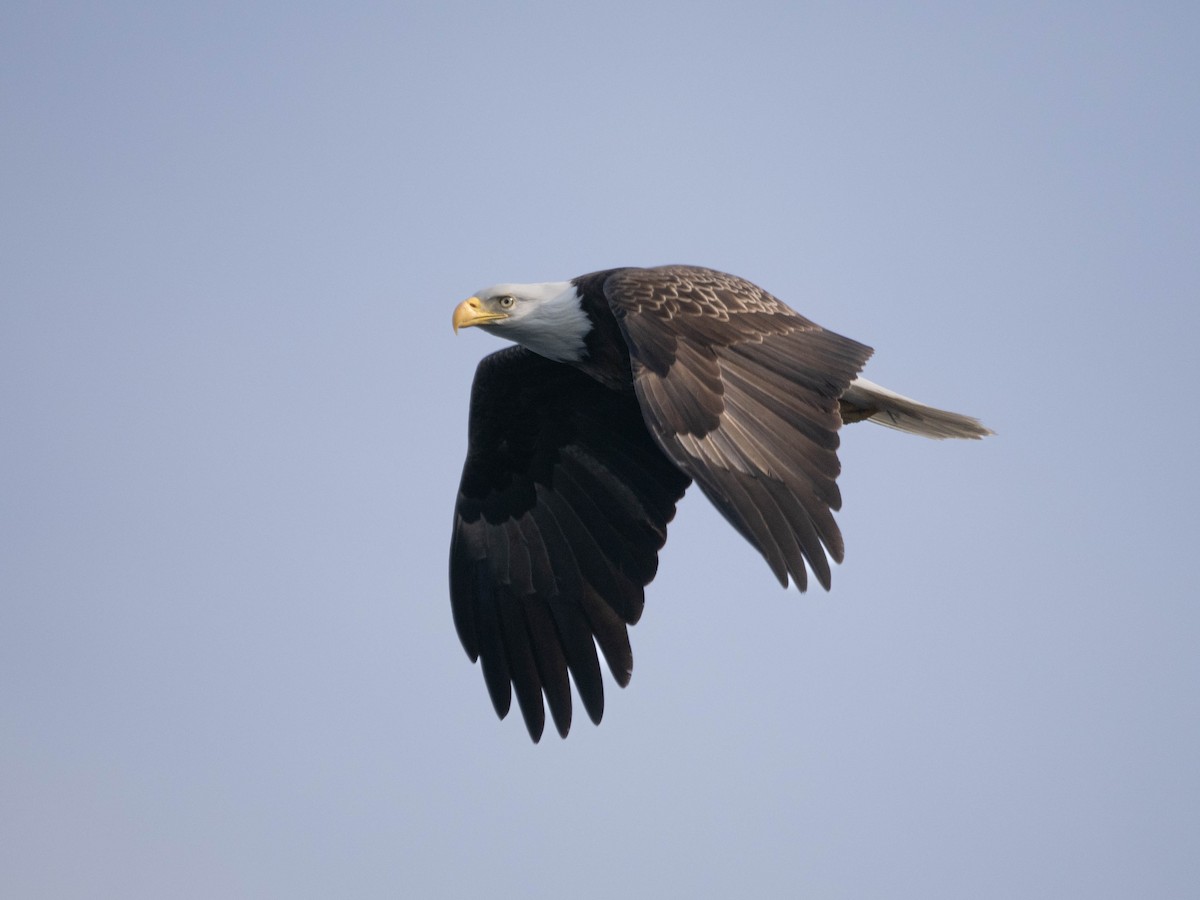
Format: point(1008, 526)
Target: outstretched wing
point(561, 512)
point(741, 392)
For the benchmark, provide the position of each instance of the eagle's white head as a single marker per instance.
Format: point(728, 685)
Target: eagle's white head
point(546, 318)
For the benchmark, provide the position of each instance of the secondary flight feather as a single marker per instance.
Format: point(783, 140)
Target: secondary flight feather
point(626, 386)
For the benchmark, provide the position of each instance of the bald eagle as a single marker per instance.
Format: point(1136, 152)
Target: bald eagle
point(626, 386)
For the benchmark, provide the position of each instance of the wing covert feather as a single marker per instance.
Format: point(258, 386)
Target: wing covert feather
point(741, 392)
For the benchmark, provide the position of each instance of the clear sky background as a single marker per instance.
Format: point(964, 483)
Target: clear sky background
point(233, 415)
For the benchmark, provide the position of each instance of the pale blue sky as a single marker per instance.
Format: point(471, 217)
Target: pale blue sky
point(233, 417)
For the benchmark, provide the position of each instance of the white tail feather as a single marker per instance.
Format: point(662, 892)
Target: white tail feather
point(878, 404)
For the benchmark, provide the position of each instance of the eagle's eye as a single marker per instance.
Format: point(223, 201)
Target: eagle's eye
point(506, 302)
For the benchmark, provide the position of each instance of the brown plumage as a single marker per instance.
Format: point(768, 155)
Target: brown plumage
point(647, 379)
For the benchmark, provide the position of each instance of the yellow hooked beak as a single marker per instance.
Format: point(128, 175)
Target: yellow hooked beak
point(471, 312)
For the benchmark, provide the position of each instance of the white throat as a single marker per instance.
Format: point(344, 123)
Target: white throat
point(548, 319)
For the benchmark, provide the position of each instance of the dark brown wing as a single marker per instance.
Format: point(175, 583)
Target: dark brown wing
point(742, 394)
point(561, 512)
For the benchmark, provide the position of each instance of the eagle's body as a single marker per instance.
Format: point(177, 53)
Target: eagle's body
point(628, 385)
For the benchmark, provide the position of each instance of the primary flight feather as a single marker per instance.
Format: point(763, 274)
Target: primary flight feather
point(628, 385)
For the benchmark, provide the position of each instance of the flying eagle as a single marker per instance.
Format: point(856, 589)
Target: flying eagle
point(627, 385)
